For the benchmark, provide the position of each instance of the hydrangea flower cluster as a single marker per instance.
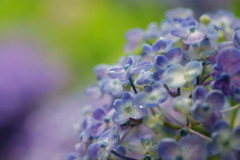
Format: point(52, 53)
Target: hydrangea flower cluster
point(174, 96)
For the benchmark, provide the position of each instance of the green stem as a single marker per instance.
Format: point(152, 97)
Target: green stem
point(234, 114)
point(231, 108)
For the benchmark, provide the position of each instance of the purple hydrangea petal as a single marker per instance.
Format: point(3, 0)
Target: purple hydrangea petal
point(230, 155)
point(81, 149)
point(200, 111)
point(174, 55)
point(179, 14)
point(120, 117)
point(221, 125)
point(226, 44)
point(116, 72)
point(191, 23)
point(168, 149)
point(142, 66)
point(94, 150)
point(147, 48)
point(121, 150)
point(192, 70)
point(71, 156)
point(236, 139)
point(193, 148)
point(236, 39)
point(161, 61)
point(127, 97)
point(215, 100)
point(175, 76)
point(137, 112)
point(180, 32)
point(111, 137)
point(158, 46)
point(99, 114)
point(151, 99)
point(97, 129)
point(101, 70)
point(144, 78)
point(134, 35)
point(199, 93)
point(196, 36)
point(235, 79)
point(87, 122)
point(229, 59)
point(129, 61)
point(118, 103)
point(134, 38)
point(211, 119)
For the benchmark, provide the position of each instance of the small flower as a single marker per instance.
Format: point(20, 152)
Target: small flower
point(102, 121)
point(173, 56)
point(134, 37)
point(207, 106)
point(145, 146)
point(85, 135)
point(126, 109)
point(106, 142)
point(144, 78)
point(179, 15)
point(124, 71)
point(190, 32)
point(111, 86)
point(224, 141)
point(160, 45)
point(227, 71)
point(177, 75)
point(152, 96)
point(182, 104)
point(187, 148)
point(154, 122)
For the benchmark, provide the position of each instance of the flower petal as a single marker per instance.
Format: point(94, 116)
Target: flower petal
point(199, 93)
point(94, 150)
point(193, 148)
point(158, 46)
point(120, 117)
point(180, 32)
point(192, 70)
point(168, 149)
point(174, 55)
point(236, 139)
point(161, 62)
point(116, 72)
point(175, 76)
point(199, 111)
point(229, 59)
point(196, 37)
point(99, 114)
point(147, 48)
point(111, 137)
point(215, 100)
point(236, 39)
point(142, 66)
point(97, 129)
point(182, 104)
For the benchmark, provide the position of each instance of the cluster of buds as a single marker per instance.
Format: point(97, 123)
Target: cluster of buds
point(174, 95)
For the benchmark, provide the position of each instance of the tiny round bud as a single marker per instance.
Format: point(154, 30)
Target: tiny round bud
point(205, 107)
point(205, 19)
point(183, 132)
point(103, 144)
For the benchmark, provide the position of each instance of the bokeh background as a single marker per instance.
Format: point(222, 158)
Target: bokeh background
point(47, 51)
